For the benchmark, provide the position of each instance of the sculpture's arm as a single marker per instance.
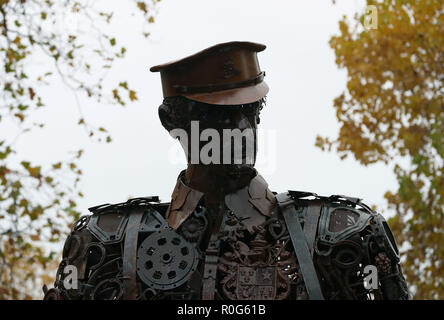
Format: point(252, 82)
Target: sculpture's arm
point(386, 259)
point(89, 269)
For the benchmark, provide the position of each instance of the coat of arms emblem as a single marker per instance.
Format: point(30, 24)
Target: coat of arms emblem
point(253, 272)
point(256, 283)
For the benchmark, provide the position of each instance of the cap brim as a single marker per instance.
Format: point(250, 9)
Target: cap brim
point(232, 96)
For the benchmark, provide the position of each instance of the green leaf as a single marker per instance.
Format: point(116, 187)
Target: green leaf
point(26, 164)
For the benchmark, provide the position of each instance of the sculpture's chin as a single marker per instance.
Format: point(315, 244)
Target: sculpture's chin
point(239, 169)
point(233, 171)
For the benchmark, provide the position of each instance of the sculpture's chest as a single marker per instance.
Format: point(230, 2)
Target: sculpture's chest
point(217, 255)
point(212, 255)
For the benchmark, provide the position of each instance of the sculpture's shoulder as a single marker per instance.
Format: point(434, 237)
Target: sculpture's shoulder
point(94, 246)
point(108, 222)
point(345, 236)
point(340, 217)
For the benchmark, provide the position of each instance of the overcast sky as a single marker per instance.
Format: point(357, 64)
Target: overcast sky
point(300, 71)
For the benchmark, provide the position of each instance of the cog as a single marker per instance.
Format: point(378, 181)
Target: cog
point(165, 260)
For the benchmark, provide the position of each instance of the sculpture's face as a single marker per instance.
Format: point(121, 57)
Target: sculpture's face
point(226, 135)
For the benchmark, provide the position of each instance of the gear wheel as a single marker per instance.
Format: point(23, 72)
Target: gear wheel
point(165, 260)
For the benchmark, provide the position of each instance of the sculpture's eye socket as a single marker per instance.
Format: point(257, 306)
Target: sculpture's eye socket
point(217, 116)
point(252, 111)
point(249, 109)
point(224, 116)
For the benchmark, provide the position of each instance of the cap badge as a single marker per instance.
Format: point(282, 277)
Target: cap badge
point(229, 70)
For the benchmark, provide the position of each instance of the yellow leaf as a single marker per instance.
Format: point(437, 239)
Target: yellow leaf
point(132, 95)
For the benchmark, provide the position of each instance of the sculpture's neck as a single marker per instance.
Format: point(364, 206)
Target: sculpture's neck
point(218, 180)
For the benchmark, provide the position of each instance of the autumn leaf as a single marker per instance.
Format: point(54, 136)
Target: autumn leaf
point(142, 6)
point(132, 95)
point(57, 165)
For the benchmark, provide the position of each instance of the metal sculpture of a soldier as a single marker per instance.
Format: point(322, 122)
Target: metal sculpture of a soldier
point(225, 234)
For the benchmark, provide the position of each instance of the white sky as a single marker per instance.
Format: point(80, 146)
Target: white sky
point(300, 71)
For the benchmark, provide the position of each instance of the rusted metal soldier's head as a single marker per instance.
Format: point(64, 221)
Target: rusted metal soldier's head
point(215, 90)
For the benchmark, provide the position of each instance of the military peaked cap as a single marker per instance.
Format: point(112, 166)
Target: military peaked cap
point(224, 74)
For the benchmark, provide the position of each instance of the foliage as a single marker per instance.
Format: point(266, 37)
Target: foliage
point(392, 112)
point(37, 203)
